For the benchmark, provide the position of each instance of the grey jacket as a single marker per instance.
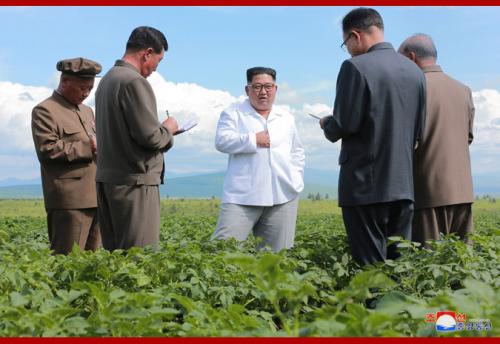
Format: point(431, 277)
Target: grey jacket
point(130, 139)
point(379, 114)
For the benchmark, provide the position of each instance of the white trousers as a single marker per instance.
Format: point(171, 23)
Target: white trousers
point(275, 225)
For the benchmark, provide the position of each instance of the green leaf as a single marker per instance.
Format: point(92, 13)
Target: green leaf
point(392, 303)
point(18, 300)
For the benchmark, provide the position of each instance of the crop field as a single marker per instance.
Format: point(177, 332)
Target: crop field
point(192, 286)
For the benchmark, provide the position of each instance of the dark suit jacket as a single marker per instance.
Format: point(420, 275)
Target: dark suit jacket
point(442, 168)
point(61, 136)
point(379, 114)
point(131, 140)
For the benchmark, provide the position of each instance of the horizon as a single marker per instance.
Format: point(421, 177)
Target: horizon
point(210, 184)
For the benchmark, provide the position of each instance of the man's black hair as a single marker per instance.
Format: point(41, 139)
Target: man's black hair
point(361, 19)
point(144, 37)
point(260, 70)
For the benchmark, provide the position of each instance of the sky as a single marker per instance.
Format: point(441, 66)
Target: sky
point(210, 49)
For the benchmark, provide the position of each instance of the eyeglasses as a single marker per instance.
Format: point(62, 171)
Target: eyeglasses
point(258, 87)
point(343, 46)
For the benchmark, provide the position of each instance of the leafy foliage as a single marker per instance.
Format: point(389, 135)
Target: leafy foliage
point(192, 286)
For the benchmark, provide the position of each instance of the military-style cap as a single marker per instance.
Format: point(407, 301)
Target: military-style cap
point(83, 68)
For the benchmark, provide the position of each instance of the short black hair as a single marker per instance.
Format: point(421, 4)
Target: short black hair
point(362, 19)
point(251, 72)
point(144, 37)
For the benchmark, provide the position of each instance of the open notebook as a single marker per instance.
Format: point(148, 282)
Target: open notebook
point(190, 124)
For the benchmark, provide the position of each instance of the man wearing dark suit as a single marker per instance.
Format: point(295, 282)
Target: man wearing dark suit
point(131, 145)
point(64, 137)
point(379, 115)
point(442, 168)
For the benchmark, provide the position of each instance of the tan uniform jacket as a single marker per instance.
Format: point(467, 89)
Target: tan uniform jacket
point(131, 139)
point(61, 137)
point(442, 168)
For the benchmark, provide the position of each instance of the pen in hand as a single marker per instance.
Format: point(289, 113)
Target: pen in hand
point(171, 124)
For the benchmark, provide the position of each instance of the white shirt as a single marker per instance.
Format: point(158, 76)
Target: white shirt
point(260, 176)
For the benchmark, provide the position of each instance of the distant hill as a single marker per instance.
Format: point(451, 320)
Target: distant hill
point(208, 185)
point(487, 184)
point(16, 182)
point(197, 186)
point(21, 191)
point(200, 186)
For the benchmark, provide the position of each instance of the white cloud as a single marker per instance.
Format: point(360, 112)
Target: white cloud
point(194, 151)
point(19, 165)
point(187, 101)
point(487, 103)
point(485, 148)
point(16, 103)
point(287, 94)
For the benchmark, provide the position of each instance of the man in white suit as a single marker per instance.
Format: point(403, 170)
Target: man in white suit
point(265, 168)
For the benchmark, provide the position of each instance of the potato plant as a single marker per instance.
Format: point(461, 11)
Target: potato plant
point(192, 286)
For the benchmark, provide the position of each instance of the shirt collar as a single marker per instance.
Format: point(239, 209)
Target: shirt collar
point(123, 63)
point(380, 46)
point(249, 110)
point(429, 69)
point(61, 100)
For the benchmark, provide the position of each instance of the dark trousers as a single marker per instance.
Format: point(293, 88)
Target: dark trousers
point(429, 223)
point(129, 215)
point(369, 226)
point(73, 226)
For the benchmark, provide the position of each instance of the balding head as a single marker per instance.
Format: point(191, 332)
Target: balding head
point(419, 48)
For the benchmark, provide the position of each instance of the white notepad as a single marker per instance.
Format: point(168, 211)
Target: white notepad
point(190, 124)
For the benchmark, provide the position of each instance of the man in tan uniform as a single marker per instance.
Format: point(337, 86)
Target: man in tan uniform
point(131, 145)
point(64, 135)
point(442, 168)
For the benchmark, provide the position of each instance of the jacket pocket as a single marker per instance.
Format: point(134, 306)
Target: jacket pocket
point(72, 174)
point(71, 130)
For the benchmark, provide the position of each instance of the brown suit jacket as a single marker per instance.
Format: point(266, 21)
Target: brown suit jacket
point(442, 168)
point(61, 136)
point(131, 139)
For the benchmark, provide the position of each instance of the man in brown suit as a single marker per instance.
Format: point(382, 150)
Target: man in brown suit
point(131, 145)
point(442, 168)
point(64, 135)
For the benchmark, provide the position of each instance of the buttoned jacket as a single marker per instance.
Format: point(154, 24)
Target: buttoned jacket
point(255, 175)
point(61, 134)
point(379, 114)
point(131, 140)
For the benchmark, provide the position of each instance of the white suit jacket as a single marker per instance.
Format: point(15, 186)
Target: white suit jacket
point(260, 176)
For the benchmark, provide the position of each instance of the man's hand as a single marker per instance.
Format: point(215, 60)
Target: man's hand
point(322, 122)
point(171, 124)
point(93, 144)
point(263, 139)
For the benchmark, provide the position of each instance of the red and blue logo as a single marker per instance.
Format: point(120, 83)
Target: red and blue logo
point(446, 321)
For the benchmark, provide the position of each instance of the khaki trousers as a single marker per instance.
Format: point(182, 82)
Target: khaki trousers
point(428, 223)
point(129, 215)
point(73, 226)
